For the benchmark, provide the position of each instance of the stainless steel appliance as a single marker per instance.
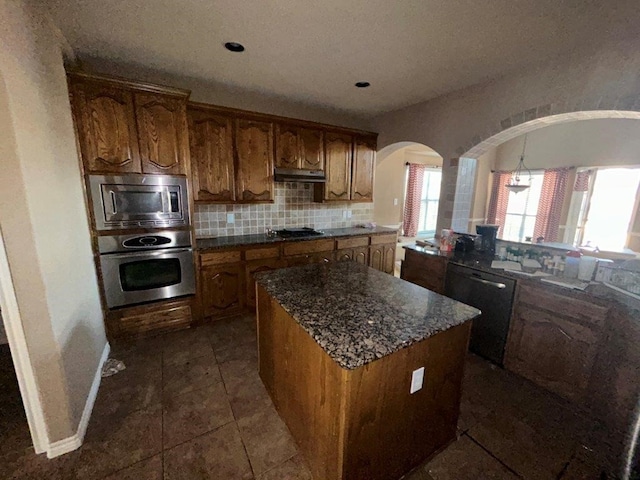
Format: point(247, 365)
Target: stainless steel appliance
point(143, 268)
point(493, 296)
point(133, 201)
point(299, 175)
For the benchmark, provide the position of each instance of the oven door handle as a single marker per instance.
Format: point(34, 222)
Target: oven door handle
point(148, 253)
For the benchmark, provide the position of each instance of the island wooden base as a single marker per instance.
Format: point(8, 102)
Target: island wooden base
point(361, 423)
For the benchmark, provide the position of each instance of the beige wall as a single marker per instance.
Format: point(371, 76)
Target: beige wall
point(43, 218)
point(583, 143)
point(215, 93)
point(486, 163)
point(390, 181)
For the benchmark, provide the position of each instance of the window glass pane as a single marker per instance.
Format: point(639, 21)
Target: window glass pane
point(429, 204)
point(138, 202)
point(611, 207)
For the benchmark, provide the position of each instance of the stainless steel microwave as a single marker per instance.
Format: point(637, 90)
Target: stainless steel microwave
point(130, 201)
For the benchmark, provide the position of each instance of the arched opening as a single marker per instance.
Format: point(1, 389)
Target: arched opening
point(603, 142)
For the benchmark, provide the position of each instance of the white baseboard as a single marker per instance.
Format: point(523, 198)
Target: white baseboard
point(74, 442)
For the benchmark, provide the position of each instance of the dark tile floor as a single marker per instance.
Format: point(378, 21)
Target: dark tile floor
point(190, 405)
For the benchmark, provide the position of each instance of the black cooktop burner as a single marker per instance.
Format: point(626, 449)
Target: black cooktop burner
point(298, 232)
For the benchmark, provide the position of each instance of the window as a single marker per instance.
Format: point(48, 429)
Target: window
point(522, 208)
point(607, 209)
point(429, 202)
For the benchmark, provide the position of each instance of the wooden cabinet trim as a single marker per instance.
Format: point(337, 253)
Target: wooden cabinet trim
point(352, 242)
point(129, 84)
point(305, 247)
point(260, 253)
point(384, 238)
point(219, 258)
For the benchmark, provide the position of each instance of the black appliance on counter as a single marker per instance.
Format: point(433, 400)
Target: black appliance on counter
point(464, 243)
point(298, 232)
point(488, 241)
point(493, 296)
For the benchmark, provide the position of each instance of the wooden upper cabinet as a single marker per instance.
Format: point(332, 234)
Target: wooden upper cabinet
point(287, 149)
point(254, 160)
point(105, 121)
point(338, 154)
point(162, 133)
point(211, 150)
point(311, 147)
point(364, 162)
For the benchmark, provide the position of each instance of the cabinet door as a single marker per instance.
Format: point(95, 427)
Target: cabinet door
point(364, 162)
point(376, 257)
point(337, 166)
point(287, 151)
point(162, 131)
point(361, 255)
point(256, 267)
point(311, 144)
point(389, 260)
point(222, 290)
point(211, 147)
point(554, 353)
point(345, 255)
point(254, 162)
point(105, 120)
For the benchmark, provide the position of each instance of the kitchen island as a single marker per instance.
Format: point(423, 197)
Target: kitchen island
point(338, 346)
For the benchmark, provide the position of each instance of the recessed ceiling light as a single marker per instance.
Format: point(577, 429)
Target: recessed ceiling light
point(362, 84)
point(234, 47)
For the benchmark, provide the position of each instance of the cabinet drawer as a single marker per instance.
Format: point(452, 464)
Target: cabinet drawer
point(386, 238)
point(353, 242)
point(218, 258)
point(159, 320)
point(299, 248)
point(544, 298)
point(259, 253)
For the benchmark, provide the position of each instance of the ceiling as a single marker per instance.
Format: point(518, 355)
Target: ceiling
point(314, 51)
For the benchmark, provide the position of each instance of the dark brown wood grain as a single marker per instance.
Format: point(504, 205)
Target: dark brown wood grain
point(254, 160)
point(364, 162)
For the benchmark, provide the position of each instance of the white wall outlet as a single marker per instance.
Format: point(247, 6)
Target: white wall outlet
point(417, 378)
point(348, 213)
point(395, 202)
point(231, 218)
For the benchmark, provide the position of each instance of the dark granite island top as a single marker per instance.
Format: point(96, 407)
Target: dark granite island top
point(358, 314)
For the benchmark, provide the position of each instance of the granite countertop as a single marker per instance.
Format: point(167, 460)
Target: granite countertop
point(358, 314)
point(595, 292)
point(208, 243)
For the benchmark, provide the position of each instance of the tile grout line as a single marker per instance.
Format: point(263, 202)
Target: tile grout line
point(493, 456)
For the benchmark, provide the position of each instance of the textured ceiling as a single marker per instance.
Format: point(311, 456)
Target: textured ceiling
point(314, 51)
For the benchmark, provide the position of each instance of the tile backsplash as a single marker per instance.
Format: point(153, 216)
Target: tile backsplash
point(293, 207)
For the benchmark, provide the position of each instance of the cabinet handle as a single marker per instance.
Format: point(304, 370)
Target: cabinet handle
point(487, 282)
point(113, 202)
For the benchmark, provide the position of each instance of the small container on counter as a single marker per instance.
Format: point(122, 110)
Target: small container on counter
point(572, 264)
point(587, 268)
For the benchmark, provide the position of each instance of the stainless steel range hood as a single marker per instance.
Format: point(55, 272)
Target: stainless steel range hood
point(299, 175)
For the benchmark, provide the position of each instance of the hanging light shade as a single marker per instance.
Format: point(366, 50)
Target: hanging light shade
point(514, 185)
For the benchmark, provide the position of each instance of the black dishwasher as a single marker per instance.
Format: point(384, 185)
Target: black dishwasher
point(493, 296)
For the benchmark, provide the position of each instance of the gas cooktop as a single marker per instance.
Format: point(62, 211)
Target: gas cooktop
point(298, 232)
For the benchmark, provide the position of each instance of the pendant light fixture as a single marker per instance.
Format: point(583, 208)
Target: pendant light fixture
point(514, 185)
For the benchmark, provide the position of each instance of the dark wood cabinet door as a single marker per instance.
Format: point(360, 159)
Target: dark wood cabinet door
point(211, 149)
point(311, 145)
point(345, 255)
point(254, 161)
point(254, 267)
point(338, 156)
point(105, 120)
point(554, 353)
point(364, 162)
point(222, 290)
point(162, 133)
point(287, 150)
point(389, 260)
point(361, 255)
point(376, 257)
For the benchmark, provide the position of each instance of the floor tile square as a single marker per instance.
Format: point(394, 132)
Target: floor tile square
point(149, 469)
point(293, 469)
point(191, 375)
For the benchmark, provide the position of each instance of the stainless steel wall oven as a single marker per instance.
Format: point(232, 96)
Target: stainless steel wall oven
point(144, 268)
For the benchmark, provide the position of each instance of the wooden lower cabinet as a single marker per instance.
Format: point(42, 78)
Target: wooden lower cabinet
point(383, 257)
point(222, 288)
point(428, 271)
point(359, 255)
point(151, 319)
point(257, 266)
point(550, 347)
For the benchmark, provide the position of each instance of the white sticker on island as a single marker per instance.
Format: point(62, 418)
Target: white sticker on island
point(416, 380)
